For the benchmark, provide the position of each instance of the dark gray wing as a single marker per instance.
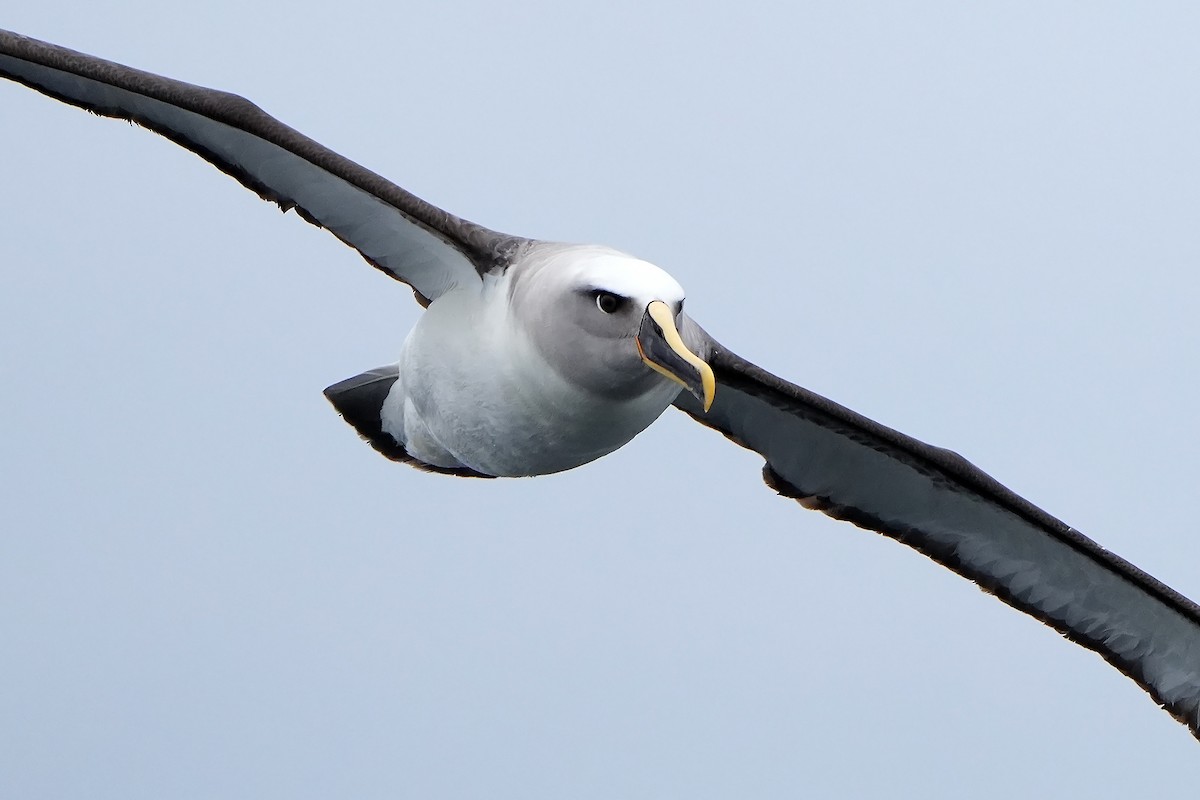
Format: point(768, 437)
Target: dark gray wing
point(395, 231)
point(833, 460)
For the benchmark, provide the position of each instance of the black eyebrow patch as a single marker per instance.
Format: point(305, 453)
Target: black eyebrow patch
point(610, 302)
point(597, 290)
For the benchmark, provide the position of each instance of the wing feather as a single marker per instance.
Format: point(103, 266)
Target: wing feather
point(397, 232)
point(836, 461)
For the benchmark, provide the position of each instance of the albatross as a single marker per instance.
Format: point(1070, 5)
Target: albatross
point(534, 357)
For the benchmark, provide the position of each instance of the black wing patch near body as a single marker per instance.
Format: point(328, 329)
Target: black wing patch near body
point(360, 402)
point(838, 462)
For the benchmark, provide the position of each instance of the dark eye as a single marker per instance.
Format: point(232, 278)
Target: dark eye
point(608, 302)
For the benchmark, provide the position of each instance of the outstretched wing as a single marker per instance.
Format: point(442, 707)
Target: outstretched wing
point(833, 460)
point(411, 240)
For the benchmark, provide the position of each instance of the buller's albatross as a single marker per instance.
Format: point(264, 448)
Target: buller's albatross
point(534, 357)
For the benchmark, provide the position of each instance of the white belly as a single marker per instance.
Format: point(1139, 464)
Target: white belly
point(475, 391)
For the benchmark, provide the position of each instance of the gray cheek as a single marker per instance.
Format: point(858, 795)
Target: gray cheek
point(587, 351)
point(608, 368)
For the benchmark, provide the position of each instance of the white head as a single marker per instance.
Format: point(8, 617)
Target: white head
point(582, 307)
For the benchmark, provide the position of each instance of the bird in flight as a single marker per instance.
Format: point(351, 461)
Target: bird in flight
point(533, 357)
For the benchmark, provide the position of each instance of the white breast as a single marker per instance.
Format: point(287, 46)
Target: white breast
point(473, 388)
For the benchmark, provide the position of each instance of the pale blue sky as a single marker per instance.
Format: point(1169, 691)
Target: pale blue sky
point(975, 224)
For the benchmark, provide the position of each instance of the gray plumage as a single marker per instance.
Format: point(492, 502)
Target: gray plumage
point(825, 456)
